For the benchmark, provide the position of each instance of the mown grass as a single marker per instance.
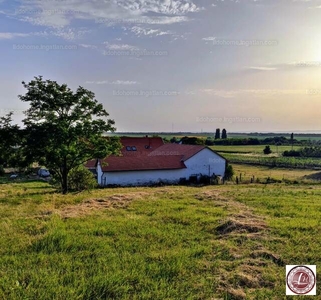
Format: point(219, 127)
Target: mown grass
point(155, 243)
point(152, 249)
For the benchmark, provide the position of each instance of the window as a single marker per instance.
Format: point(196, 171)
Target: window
point(147, 147)
point(134, 148)
point(128, 148)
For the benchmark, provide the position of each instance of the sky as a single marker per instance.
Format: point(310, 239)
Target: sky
point(172, 65)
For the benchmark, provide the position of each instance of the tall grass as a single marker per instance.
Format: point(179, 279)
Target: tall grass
point(163, 244)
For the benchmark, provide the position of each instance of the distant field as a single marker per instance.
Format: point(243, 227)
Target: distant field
point(263, 172)
point(253, 148)
point(272, 161)
point(229, 242)
point(169, 135)
point(288, 136)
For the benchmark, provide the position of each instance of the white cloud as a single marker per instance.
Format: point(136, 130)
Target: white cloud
point(116, 82)
point(140, 31)
point(12, 35)
point(121, 47)
point(251, 92)
point(88, 46)
point(69, 34)
point(208, 39)
point(62, 13)
point(169, 7)
point(263, 68)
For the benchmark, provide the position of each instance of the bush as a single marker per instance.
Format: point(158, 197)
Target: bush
point(80, 179)
point(267, 150)
point(312, 151)
point(292, 153)
point(229, 172)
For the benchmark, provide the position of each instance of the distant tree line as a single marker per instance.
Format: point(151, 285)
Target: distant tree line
point(224, 140)
point(309, 151)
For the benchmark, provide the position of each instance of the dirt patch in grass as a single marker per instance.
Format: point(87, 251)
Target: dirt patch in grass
point(88, 206)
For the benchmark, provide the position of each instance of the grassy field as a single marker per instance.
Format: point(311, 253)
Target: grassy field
point(274, 161)
point(287, 174)
point(255, 149)
point(253, 155)
point(215, 242)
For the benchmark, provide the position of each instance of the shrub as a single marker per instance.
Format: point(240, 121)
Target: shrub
point(80, 179)
point(229, 172)
point(267, 150)
point(292, 153)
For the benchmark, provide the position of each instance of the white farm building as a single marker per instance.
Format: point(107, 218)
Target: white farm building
point(146, 161)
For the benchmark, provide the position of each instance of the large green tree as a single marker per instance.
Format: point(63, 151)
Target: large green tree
point(64, 129)
point(10, 141)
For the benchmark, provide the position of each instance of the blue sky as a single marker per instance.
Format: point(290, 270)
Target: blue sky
point(243, 65)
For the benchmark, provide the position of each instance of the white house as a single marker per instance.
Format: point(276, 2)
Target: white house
point(145, 161)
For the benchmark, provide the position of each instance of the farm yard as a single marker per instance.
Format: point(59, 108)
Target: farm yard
point(213, 242)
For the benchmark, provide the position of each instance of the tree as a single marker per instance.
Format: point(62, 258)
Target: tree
point(64, 129)
point(267, 150)
point(217, 134)
point(11, 135)
point(224, 134)
point(292, 137)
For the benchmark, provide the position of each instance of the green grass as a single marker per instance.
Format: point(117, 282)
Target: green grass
point(274, 161)
point(263, 172)
point(155, 243)
point(257, 149)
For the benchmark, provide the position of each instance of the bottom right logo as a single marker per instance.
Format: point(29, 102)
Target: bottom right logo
point(301, 280)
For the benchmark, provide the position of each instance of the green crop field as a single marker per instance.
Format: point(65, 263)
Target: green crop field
point(257, 149)
point(215, 242)
point(272, 161)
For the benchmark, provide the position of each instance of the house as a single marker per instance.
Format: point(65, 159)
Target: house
point(148, 160)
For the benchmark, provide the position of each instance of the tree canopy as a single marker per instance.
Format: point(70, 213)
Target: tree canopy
point(9, 143)
point(64, 129)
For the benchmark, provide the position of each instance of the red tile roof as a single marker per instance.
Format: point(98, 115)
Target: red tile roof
point(91, 164)
point(151, 154)
point(141, 162)
point(144, 145)
point(185, 151)
point(140, 159)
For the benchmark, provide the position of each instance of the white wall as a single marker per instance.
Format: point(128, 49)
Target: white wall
point(205, 162)
point(99, 173)
point(142, 177)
